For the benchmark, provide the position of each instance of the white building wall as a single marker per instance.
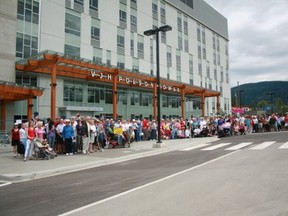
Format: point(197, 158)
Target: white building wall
point(52, 25)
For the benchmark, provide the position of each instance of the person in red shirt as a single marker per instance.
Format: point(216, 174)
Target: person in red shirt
point(15, 138)
point(145, 129)
point(286, 121)
point(30, 137)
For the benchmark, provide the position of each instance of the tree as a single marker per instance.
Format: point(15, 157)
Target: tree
point(261, 104)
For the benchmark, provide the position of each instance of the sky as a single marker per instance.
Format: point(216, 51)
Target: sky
point(258, 39)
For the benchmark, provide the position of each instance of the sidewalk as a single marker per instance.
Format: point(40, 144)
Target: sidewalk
point(15, 170)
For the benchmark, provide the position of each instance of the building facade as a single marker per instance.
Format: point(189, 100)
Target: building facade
point(108, 35)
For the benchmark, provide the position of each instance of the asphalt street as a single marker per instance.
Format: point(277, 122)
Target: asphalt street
point(208, 180)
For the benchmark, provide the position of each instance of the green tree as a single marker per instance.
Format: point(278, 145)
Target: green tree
point(261, 104)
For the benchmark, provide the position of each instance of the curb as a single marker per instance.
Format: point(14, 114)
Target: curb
point(14, 178)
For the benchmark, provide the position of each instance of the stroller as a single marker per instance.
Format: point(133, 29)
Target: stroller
point(42, 150)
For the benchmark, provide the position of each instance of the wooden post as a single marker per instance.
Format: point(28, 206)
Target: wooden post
point(155, 101)
point(115, 97)
point(218, 104)
point(183, 103)
point(29, 108)
point(3, 115)
point(203, 104)
point(53, 91)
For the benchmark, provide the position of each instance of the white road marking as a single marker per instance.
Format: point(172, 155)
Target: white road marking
point(239, 146)
point(262, 145)
point(215, 147)
point(284, 146)
point(195, 147)
point(144, 186)
point(4, 184)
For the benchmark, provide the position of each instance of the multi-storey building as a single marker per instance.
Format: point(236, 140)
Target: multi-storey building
point(91, 57)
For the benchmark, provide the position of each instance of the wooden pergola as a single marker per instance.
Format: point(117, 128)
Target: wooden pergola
point(11, 92)
point(57, 65)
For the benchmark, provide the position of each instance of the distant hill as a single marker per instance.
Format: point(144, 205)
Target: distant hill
point(251, 93)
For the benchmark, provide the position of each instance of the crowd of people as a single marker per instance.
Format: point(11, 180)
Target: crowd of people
point(84, 134)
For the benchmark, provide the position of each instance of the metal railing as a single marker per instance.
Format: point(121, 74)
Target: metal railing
point(4, 137)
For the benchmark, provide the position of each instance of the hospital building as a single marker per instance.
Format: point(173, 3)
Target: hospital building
point(63, 57)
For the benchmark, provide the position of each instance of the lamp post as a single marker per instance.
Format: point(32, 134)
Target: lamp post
point(149, 33)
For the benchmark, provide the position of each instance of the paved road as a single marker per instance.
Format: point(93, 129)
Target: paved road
point(206, 175)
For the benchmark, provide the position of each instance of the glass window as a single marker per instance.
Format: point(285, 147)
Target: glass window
point(28, 4)
point(72, 24)
point(120, 41)
point(36, 7)
point(122, 15)
point(20, 7)
point(73, 92)
point(108, 96)
point(28, 15)
point(93, 4)
point(80, 2)
point(71, 50)
point(95, 33)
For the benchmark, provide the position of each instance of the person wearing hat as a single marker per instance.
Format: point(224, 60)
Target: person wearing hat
point(68, 134)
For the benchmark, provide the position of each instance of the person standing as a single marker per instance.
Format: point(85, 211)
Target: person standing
point(23, 137)
point(59, 138)
point(85, 135)
point(30, 137)
point(51, 134)
point(15, 138)
point(68, 134)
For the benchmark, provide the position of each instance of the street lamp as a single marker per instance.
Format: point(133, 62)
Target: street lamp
point(149, 33)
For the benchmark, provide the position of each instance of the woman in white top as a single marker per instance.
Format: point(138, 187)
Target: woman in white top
point(23, 134)
point(92, 135)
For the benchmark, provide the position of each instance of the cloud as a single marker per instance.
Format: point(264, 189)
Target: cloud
point(258, 37)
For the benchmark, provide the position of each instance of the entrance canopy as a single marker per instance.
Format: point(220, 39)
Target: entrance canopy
point(10, 92)
point(63, 65)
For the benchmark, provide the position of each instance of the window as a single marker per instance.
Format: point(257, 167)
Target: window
point(93, 94)
point(186, 45)
point(108, 58)
point(120, 41)
point(199, 52)
point(190, 64)
point(169, 57)
point(185, 25)
point(200, 69)
point(72, 50)
point(95, 33)
point(72, 24)
point(215, 73)
point(179, 23)
point(133, 20)
point(198, 33)
point(140, 47)
point(203, 36)
point(73, 92)
point(132, 47)
point(180, 43)
point(108, 96)
point(155, 10)
point(163, 13)
point(204, 53)
point(97, 55)
point(188, 2)
point(123, 15)
point(80, 2)
point(208, 70)
point(93, 4)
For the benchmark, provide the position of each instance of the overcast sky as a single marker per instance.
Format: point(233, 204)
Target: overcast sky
point(258, 39)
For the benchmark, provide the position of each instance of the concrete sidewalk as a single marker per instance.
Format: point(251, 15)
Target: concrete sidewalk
point(15, 170)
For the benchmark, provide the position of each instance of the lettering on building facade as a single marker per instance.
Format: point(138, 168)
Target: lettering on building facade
point(128, 80)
